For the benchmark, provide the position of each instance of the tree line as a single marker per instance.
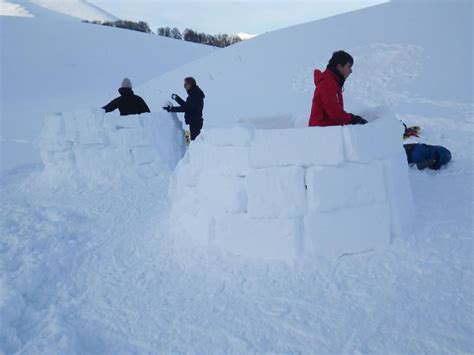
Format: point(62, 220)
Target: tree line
point(189, 35)
point(140, 26)
point(219, 40)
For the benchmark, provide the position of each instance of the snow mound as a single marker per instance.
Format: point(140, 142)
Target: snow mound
point(80, 9)
point(76, 8)
point(99, 148)
point(11, 9)
point(285, 194)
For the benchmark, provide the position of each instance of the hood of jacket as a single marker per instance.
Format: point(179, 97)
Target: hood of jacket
point(328, 74)
point(125, 91)
point(196, 90)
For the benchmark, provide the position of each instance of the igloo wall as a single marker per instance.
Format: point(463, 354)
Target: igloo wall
point(99, 147)
point(284, 194)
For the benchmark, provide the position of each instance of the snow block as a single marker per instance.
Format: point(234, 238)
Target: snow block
point(115, 137)
point(113, 121)
point(144, 155)
point(346, 231)
point(89, 127)
point(53, 126)
point(71, 132)
point(186, 175)
point(402, 210)
point(267, 239)
point(297, 146)
point(225, 160)
point(220, 194)
point(137, 137)
point(65, 159)
point(349, 185)
point(54, 145)
point(98, 162)
point(236, 136)
point(100, 148)
point(373, 141)
point(276, 192)
point(149, 170)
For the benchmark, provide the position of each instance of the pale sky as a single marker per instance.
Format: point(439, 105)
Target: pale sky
point(227, 16)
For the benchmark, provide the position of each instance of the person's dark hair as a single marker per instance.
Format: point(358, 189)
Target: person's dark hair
point(190, 80)
point(340, 57)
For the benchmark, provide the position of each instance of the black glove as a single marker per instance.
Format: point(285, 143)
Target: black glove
point(167, 108)
point(175, 97)
point(358, 120)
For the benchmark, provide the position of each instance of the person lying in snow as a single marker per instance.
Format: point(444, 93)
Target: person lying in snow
point(192, 107)
point(328, 105)
point(427, 156)
point(128, 103)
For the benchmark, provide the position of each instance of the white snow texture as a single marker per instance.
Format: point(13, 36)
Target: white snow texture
point(264, 235)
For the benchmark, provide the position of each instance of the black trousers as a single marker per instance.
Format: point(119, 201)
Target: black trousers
point(195, 129)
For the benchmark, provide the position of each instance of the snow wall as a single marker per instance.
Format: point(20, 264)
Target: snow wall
point(286, 194)
point(99, 147)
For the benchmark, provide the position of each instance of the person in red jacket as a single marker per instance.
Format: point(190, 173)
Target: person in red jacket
point(328, 104)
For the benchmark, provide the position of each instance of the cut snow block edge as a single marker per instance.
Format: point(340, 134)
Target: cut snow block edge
point(346, 231)
point(277, 192)
point(402, 208)
point(297, 146)
point(236, 136)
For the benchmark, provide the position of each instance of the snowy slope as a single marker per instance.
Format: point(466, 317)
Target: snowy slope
point(401, 60)
point(50, 65)
point(78, 9)
point(91, 269)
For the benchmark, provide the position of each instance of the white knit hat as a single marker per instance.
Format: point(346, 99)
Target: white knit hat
point(126, 83)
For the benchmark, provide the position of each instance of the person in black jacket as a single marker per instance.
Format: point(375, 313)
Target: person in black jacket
point(128, 103)
point(192, 107)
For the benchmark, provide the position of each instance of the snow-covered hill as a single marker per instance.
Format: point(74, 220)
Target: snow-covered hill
point(91, 268)
point(50, 65)
point(401, 59)
point(79, 9)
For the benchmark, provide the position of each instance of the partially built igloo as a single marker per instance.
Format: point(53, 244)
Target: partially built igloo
point(97, 148)
point(285, 194)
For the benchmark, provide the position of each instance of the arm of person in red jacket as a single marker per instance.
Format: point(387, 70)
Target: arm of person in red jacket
point(333, 107)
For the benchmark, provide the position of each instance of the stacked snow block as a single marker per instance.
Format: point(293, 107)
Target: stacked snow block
point(101, 147)
point(285, 194)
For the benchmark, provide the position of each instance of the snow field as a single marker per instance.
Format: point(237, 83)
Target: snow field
point(101, 147)
point(284, 194)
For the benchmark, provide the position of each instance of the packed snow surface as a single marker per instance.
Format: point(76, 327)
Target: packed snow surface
point(87, 265)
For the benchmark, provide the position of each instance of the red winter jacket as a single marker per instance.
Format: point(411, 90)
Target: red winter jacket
point(328, 104)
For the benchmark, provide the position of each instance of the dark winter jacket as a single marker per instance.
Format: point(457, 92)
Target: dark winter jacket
point(328, 103)
point(192, 107)
point(427, 156)
point(128, 103)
